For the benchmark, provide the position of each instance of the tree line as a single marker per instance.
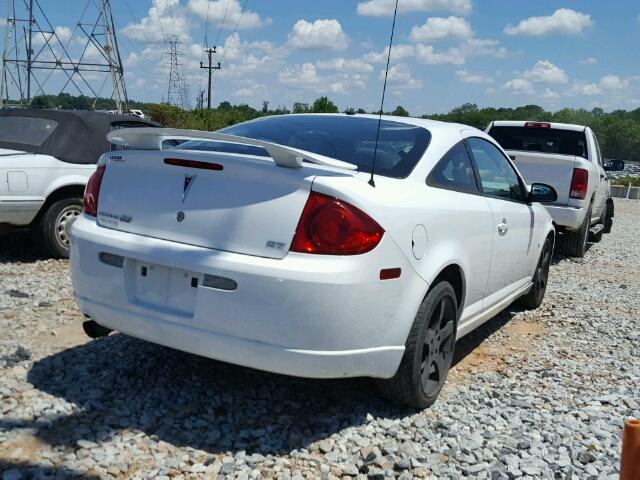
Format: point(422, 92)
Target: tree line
point(618, 131)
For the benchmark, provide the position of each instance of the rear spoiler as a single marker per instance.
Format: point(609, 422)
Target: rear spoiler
point(144, 138)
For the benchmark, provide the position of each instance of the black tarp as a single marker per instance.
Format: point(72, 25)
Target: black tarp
point(80, 135)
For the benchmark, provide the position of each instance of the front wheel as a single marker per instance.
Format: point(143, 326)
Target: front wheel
point(533, 299)
point(428, 351)
point(55, 224)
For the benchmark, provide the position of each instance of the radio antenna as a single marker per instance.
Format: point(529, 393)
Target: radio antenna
point(384, 89)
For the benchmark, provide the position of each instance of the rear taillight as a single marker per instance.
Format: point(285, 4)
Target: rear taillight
point(330, 226)
point(579, 184)
point(92, 192)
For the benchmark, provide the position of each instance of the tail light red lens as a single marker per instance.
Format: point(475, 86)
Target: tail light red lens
point(92, 192)
point(579, 184)
point(330, 226)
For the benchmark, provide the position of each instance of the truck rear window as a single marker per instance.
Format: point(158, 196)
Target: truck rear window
point(544, 140)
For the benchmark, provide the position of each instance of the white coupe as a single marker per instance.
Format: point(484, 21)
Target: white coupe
point(270, 244)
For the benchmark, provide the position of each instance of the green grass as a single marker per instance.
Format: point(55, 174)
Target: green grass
point(634, 181)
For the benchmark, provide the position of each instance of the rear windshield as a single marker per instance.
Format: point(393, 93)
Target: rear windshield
point(26, 130)
point(350, 139)
point(544, 140)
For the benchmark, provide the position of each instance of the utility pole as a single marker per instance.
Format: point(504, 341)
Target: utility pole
point(210, 51)
point(200, 103)
point(29, 51)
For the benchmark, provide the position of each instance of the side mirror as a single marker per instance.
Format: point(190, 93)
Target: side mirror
point(614, 166)
point(542, 193)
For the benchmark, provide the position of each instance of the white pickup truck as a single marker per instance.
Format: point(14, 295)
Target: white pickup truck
point(568, 158)
point(46, 158)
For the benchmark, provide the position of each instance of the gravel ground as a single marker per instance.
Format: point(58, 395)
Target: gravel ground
point(539, 394)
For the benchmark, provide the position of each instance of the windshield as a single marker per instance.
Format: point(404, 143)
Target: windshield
point(347, 138)
point(544, 140)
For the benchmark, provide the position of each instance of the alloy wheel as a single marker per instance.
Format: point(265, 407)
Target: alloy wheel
point(63, 223)
point(438, 346)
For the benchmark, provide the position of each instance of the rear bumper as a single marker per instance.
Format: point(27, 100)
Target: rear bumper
point(304, 315)
point(568, 217)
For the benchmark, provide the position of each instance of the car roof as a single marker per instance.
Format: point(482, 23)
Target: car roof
point(80, 136)
point(521, 123)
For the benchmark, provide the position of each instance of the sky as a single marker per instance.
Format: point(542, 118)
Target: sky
point(554, 53)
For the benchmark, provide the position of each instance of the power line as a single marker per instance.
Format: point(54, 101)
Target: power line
point(224, 17)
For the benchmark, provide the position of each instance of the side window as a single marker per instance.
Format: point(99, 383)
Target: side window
point(497, 176)
point(454, 171)
point(598, 153)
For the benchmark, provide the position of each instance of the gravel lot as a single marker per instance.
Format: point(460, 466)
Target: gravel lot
point(539, 394)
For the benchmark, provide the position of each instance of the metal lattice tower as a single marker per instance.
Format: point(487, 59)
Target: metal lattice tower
point(175, 92)
point(37, 61)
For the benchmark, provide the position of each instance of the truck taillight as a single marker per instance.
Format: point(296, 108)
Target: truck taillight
point(92, 192)
point(330, 226)
point(579, 184)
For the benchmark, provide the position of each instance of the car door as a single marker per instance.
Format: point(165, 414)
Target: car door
point(603, 183)
point(514, 240)
point(460, 222)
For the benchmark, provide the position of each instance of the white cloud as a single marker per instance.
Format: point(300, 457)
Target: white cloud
point(399, 52)
point(562, 21)
point(400, 79)
point(440, 28)
point(306, 77)
point(548, 94)
point(229, 10)
point(612, 82)
point(586, 89)
point(588, 61)
point(519, 85)
point(467, 77)
point(169, 18)
point(384, 8)
point(345, 65)
point(63, 33)
point(546, 72)
point(427, 54)
point(481, 47)
point(319, 35)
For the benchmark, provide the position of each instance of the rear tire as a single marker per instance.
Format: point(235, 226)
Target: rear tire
point(574, 244)
point(534, 298)
point(608, 218)
point(428, 351)
point(53, 228)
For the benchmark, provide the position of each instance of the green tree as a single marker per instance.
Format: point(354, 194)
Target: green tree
point(324, 105)
point(400, 112)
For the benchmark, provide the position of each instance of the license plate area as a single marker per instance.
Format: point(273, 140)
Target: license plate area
point(170, 290)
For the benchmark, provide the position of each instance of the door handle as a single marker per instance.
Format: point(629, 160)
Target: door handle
point(503, 227)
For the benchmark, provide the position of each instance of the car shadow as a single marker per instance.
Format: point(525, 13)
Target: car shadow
point(119, 382)
point(34, 470)
point(18, 246)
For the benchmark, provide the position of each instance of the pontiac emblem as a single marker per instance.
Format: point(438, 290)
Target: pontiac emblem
point(188, 182)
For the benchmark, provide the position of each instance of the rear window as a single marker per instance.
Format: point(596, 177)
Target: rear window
point(26, 130)
point(544, 140)
point(350, 139)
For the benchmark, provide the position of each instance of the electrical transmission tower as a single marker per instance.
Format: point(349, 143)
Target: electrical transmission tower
point(39, 59)
point(178, 91)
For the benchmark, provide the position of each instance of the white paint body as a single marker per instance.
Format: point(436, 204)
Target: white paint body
point(27, 179)
point(557, 170)
point(307, 315)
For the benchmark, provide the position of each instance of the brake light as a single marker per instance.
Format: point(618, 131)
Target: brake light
point(92, 192)
point(330, 226)
point(537, 125)
point(579, 183)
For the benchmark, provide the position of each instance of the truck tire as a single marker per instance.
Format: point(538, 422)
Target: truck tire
point(428, 351)
point(608, 218)
point(574, 244)
point(52, 230)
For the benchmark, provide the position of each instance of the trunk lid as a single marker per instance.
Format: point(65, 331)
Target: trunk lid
point(550, 168)
point(246, 205)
